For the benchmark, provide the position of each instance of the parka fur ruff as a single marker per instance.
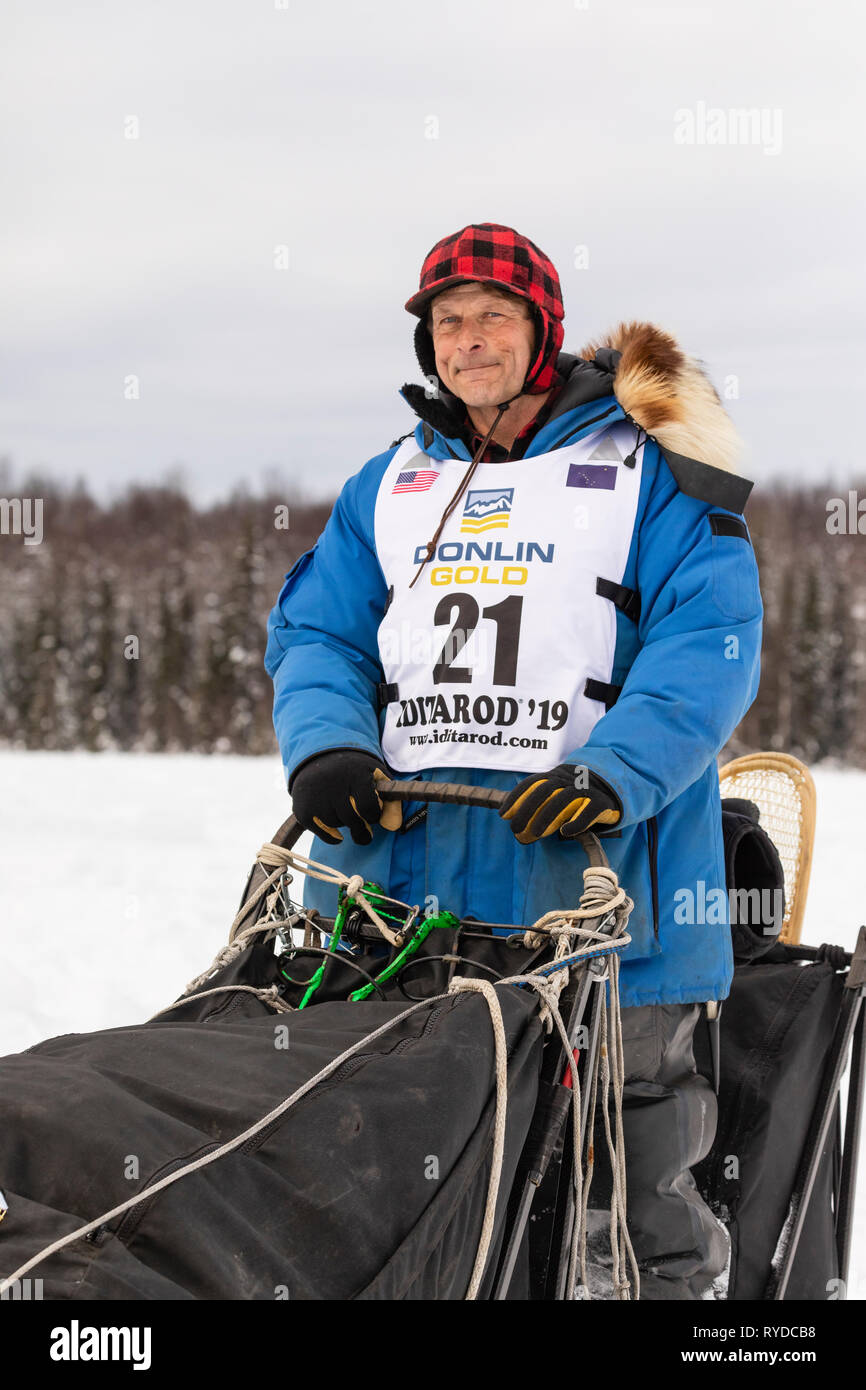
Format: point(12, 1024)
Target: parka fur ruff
point(670, 394)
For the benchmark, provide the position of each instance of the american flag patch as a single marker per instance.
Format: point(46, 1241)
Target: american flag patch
point(415, 480)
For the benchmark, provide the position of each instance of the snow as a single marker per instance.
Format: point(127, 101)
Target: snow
point(120, 874)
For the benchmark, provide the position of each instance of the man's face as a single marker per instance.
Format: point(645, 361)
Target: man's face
point(483, 341)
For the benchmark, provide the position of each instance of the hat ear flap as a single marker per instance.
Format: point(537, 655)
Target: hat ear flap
point(424, 351)
point(538, 350)
point(548, 342)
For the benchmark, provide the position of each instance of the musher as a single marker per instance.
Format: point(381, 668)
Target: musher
point(549, 587)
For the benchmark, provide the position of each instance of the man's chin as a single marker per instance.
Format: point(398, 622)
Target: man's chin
point(479, 393)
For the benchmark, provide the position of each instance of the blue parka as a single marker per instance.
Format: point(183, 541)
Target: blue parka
point(687, 663)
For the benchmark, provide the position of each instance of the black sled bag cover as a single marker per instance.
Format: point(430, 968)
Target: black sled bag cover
point(776, 1029)
point(373, 1186)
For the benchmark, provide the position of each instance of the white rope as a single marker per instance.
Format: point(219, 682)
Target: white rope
point(620, 1285)
point(617, 1150)
point(269, 996)
point(578, 1237)
point(271, 854)
point(460, 985)
point(601, 893)
point(259, 893)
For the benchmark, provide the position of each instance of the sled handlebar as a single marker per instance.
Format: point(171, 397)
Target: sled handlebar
point(458, 793)
point(453, 793)
point(461, 794)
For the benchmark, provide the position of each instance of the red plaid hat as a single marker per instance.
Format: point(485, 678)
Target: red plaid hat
point(495, 255)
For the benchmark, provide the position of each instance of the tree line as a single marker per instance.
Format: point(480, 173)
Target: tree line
point(140, 623)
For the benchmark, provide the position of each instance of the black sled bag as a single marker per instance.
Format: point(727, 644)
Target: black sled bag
point(776, 1030)
point(373, 1186)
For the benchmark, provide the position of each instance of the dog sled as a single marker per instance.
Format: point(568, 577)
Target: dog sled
point(389, 1106)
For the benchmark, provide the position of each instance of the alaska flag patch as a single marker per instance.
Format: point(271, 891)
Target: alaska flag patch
point(592, 475)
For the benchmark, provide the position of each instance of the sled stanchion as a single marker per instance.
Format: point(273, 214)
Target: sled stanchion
point(713, 1017)
point(554, 1257)
point(851, 1148)
point(854, 1112)
point(810, 1162)
point(286, 837)
point(561, 1292)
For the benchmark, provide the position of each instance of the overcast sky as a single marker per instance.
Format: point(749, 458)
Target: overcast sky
point(357, 134)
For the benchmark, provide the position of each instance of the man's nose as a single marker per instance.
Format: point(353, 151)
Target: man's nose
point(470, 335)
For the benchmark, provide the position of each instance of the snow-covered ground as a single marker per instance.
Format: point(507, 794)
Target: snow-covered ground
point(120, 874)
point(119, 878)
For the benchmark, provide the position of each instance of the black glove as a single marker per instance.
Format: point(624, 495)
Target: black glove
point(570, 797)
point(338, 788)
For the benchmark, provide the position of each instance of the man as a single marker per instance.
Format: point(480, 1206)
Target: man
point(548, 587)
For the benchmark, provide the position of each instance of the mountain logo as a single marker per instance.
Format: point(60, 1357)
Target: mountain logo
point(487, 509)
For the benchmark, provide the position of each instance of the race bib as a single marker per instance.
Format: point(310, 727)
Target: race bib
point(487, 657)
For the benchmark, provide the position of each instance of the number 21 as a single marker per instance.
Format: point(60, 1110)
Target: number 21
point(506, 615)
